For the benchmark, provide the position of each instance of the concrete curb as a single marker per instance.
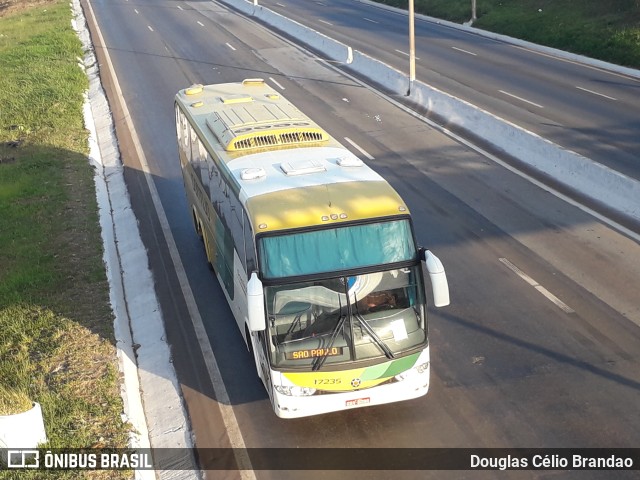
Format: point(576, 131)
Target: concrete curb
point(24, 429)
point(143, 354)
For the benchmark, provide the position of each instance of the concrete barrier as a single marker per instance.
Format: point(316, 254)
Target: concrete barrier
point(332, 49)
point(596, 181)
point(380, 73)
point(23, 430)
point(554, 52)
point(244, 6)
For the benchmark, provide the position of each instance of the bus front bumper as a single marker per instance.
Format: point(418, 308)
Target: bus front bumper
point(289, 406)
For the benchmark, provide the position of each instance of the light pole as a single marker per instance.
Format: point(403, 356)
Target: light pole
point(473, 11)
point(412, 48)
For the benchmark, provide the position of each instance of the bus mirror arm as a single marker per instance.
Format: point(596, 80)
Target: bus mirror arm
point(255, 304)
point(438, 277)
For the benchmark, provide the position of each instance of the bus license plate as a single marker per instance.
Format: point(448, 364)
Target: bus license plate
point(358, 401)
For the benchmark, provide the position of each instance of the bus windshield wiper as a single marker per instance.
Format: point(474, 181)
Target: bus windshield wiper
point(385, 348)
point(334, 334)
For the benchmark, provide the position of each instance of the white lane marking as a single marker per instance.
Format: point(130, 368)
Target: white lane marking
point(180, 8)
point(359, 148)
point(230, 46)
point(519, 272)
point(281, 5)
point(325, 22)
point(149, 27)
point(596, 93)
point(405, 53)
point(136, 10)
point(566, 60)
point(465, 51)
point(222, 397)
point(369, 20)
point(276, 83)
point(548, 295)
point(200, 23)
point(520, 98)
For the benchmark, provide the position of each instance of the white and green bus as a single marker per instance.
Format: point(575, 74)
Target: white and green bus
point(314, 251)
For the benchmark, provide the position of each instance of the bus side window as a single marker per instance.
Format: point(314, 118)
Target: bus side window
point(186, 132)
point(203, 167)
point(182, 128)
point(194, 148)
point(249, 247)
point(235, 223)
point(212, 180)
point(217, 186)
point(179, 125)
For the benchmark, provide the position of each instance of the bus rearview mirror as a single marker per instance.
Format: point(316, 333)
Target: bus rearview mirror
point(255, 304)
point(438, 278)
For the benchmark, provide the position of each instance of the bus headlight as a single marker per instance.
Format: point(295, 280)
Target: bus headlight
point(294, 391)
point(423, 367)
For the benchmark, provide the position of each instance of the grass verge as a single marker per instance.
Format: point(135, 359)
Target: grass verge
point(606, 30)
point(56, 325)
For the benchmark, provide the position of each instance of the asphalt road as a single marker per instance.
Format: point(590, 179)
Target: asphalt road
point(588, 110)
point(540, 346)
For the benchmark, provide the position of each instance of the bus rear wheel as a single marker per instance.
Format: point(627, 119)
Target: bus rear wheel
point(197, 226)
point(205, 240)
point(250, 349)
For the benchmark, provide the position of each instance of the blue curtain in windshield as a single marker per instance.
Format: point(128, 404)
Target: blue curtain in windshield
point(336, 249)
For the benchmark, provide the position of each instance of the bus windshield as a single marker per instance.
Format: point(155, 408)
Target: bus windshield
point(347, 318)
point(336, 249)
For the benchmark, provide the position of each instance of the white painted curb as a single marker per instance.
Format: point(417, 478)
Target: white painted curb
point(148, 374)
point(23, 430)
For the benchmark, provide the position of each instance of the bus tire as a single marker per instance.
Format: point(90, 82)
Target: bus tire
point(250, 349)
point(197, 225)
point(247, 337)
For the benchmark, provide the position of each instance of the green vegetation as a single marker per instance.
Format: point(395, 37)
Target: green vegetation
point(14, 400)
point(56, 326)
point(606, 30)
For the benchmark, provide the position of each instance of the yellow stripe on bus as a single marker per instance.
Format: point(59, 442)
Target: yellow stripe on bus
point(301, 207)
point(340, 381)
